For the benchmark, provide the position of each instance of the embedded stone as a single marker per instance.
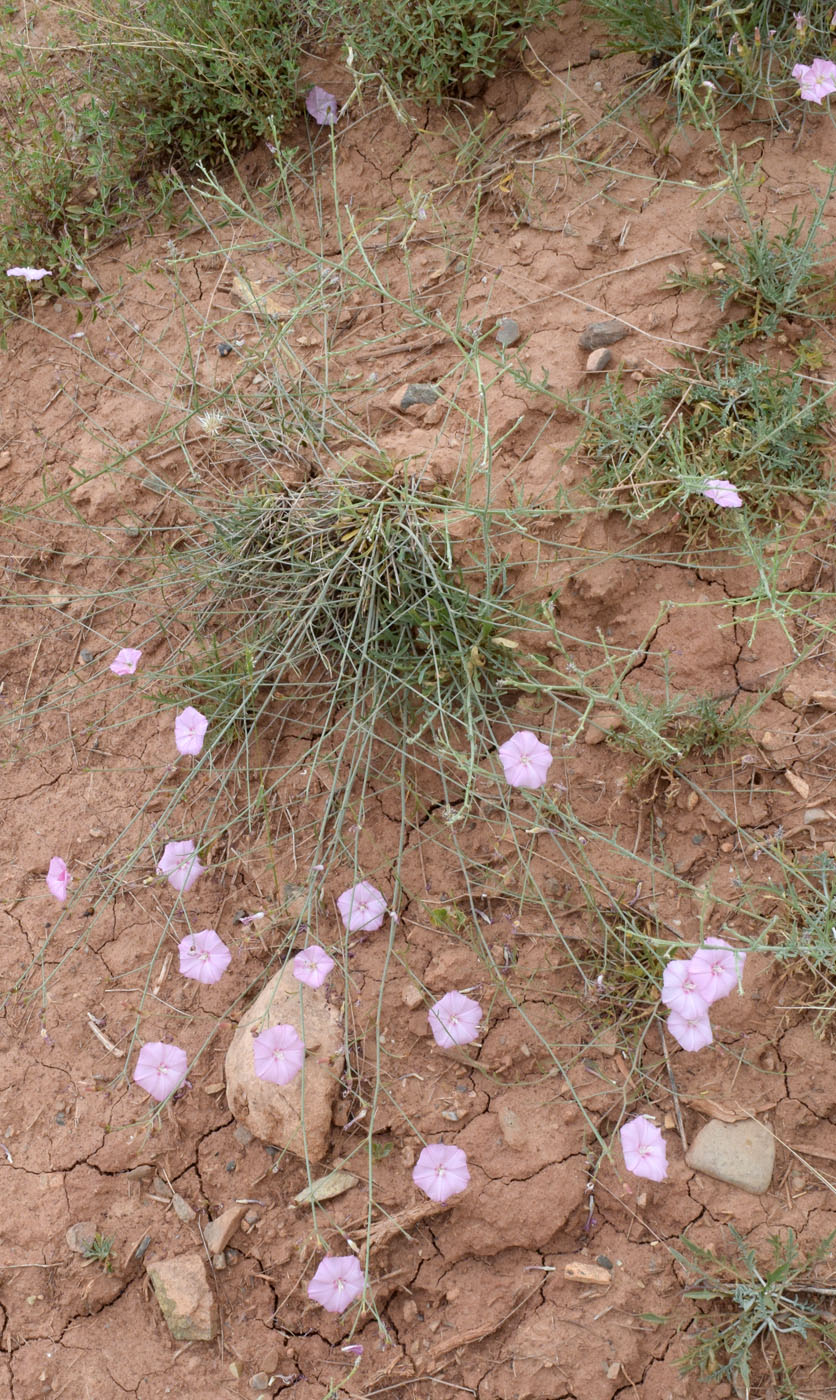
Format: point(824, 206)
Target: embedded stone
point(599, 333)
point(219, 1231)
point(742, 1154)
point(183, 1291)
point(273, 1112)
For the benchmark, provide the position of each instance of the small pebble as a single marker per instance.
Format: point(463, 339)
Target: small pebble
point(599, 333)
point(224, 349)
point(182, 1209)
point(598, 361)
point(242, 1134)
point(594, 53)
point(604, 1261)
point(260, 1381)
point(80, 1236)
point(87, 655)
point(698, 838)
point(61, 1119)
point(231, 1165)
point(418, 393)
point(507, 331)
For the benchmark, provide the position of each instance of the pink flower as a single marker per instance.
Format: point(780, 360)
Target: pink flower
point(204, 956)
point(279, 1054)
point(800, 22)
point(58, 879)
point(337, 1282)
point(644, 1148)
point(525, 761)
point(189, 730)
point(441, 1171)
point(312, 966)
point(721, 492)
point(454, 1020)
point(322, 106)
point(362, 907)
point(692, 1032)
point(715, 969)
point(816, 80)
point(160, 1069)
point(126, 661)
point(29, 274)
point(181, 865)
point(354, 1350)
point(680, 991)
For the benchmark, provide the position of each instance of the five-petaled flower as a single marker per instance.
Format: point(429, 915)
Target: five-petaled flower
point(337, 1282)
point(362, 908)
point(190, 730)
point(816, 80)
point(180, 863)
point(278, 1054)
point(722, 493)
point(204, 956)
point(715, 969)
point(680, 991)
point(454, 1020)
point(692, 1032)
point(441, 1171)
point(645, 1152)
point(29, 274)
point(160, 1069)
point(525, 760)
point(125, 661)
point(322, 106)
point(58, 879)
point(312, 966)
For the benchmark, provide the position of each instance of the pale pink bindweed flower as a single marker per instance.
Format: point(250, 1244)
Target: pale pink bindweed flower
point(692, 1032)
point(525, 760)
point(722, 493)
point(716, 969)
point(362, 908)
point(800, 21)
point(816, 80)
point(644, 1148)
point(441, 1171)
point(29, 274)
point(454, 1020)
point(322, 106)
point(126, 661)
point(58, 879)
point(190, 730)
point(204, 956)
point(680, 991)
point(312, 966)
point(278, 1054)
point(180, 863)
point(160, 1069)
point(337, 1282)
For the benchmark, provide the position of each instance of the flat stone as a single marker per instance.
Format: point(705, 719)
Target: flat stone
point(507, 331)
point(181, 1208)
point(412, 996)
point(418, 393)
point(599, 333)
point(219, 1231)
point(185, 1297)
point(273, 1112)
point(80, 1236)
point(743, 1154)
point(598, 361)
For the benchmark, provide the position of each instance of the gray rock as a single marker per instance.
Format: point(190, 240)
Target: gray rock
point(599, 333)
point(598, 361)
point(80, 1236)
point(507, 331)
point(273, 1112)
point(219, 1231)
point(185, 1297)
point(419, 393)
point(181, 1208)
point(743, 1154)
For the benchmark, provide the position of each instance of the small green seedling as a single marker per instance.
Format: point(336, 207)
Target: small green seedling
point(99, 1251)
